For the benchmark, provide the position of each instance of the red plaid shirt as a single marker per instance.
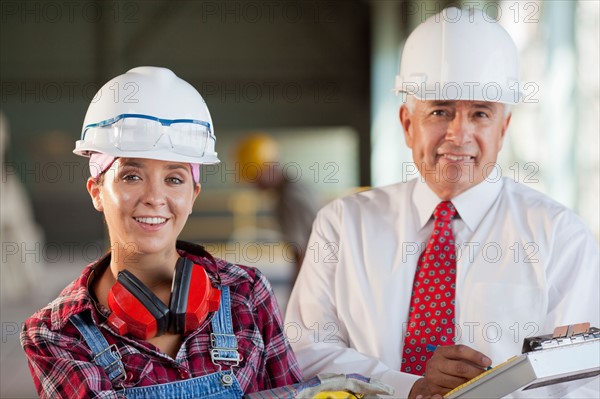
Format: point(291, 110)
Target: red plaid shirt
point(61, 362)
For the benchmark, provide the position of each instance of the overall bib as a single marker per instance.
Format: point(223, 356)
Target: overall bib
point(219, 385)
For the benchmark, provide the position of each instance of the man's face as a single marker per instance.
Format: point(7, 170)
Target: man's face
point(454, 144)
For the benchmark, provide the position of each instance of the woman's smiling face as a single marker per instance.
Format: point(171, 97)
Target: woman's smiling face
point(145, 203)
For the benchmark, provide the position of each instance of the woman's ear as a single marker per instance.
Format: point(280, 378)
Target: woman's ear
point(197, 189)
point(93, 188)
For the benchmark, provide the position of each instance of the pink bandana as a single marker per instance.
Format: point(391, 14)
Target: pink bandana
point(99, 163)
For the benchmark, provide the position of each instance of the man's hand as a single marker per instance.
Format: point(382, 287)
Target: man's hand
point(449, 367)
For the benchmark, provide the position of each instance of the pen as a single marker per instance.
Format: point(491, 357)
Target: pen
point(431, 348)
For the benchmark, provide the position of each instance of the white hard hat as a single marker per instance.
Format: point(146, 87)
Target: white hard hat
point(460, 55)
point(149, 112)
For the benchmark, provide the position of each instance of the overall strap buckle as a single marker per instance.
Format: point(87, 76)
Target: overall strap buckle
point(223, 342)
point(106, 356)
point(110, 360)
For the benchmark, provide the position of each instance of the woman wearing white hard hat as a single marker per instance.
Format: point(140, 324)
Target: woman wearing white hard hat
point(155, 317)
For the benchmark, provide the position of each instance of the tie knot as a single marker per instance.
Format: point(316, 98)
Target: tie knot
point(444, 211)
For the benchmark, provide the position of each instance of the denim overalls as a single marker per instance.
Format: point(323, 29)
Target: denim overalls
point(219, 385)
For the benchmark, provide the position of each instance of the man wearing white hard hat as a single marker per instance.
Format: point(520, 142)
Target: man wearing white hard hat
point(426, 283)
point(155, 317)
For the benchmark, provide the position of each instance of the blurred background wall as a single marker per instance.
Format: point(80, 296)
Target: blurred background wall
point(316, 75)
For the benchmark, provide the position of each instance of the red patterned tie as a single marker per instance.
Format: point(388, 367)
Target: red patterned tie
point(431, 318)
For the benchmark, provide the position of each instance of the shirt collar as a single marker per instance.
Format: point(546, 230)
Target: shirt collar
point(72, 300)
point(425, 200)
point(472, 205)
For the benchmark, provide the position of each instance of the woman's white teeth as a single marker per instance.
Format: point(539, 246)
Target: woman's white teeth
point(151, 220)
point(457, 157)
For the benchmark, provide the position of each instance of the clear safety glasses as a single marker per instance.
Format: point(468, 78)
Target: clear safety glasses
point(135, 132)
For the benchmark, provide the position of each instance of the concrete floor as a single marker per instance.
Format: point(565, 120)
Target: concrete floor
point(15, 379)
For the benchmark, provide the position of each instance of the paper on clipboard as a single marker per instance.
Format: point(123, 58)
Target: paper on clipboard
point(556, 366)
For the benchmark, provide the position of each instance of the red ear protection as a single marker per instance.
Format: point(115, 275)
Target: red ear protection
point(192, 297)
point(137, 311)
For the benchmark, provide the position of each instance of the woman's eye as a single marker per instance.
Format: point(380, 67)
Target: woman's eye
point(131, 178)
point(175, 180)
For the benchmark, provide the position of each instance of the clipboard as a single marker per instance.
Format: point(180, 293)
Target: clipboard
point(571, 353)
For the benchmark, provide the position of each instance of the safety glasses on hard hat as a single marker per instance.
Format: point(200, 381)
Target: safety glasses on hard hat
point(135, 132)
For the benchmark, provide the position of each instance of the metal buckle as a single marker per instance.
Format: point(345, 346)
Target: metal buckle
point(114, 351)
point(234, 361)
point(213, 341)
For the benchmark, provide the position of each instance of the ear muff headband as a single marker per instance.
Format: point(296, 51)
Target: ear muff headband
point(180, 293)
point(147, 298)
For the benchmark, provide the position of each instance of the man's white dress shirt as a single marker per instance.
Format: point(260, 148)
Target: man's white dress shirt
point(525, 265)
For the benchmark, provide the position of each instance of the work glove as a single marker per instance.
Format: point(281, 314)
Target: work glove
point(328, 386)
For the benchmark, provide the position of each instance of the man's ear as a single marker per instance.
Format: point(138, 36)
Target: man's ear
point(505, 124)
point(405, 120)
point(94, 189)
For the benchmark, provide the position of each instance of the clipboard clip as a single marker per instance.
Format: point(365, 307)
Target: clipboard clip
point(562, 335)
point(571, 329)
